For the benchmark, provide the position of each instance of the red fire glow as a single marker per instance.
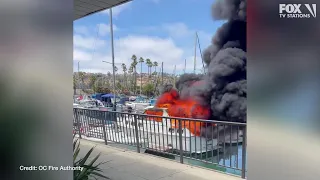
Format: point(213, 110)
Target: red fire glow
point(154, 113)
point(185, 108)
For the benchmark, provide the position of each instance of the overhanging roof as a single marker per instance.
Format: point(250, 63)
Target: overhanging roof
point(84, 8)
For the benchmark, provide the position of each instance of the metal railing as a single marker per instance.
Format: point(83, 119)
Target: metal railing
point(218, 143)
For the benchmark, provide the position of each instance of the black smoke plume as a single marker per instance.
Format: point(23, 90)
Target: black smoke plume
point(187, 88)
point(230, 10)
point(224, 86)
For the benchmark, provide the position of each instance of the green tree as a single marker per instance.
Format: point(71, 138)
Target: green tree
point(134, 65)
point(109, 74)
point(155, 64)
point(81, 77)
point(91, 169)
point(141, 60)
point(130, 71)
point(148, 63)
point(150, 67)
point(101, 86)
point(156, 89)
point(119, 86)
point(93, 79)
point(74, 83)
point(148, 89)
point(102, 89)
point(124, 69)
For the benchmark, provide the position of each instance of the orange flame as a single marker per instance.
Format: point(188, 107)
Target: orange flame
point(154, 113)
point(185, 108)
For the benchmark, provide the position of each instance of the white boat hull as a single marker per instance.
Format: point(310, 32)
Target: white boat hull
point(152, 135)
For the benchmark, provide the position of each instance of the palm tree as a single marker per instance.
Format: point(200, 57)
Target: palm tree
point(141, 60)
point(90, 169)
point(134, 65)
point(124, 69)
point(155, 64)
point(130, 71)
point(148, 62)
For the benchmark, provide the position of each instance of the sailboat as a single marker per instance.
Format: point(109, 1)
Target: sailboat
point(197, 42)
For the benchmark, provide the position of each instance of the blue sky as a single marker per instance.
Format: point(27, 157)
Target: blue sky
point(161, 30)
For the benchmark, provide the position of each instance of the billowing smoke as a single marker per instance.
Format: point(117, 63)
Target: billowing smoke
point(193, 85)
point(229, 10)
point(224, 86)
point(221, 93)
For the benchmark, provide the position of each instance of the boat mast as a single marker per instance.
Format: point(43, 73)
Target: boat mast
point(174, 76)
point(79, 75)
point(140, 78)
point(195, 54)
point(201, 53)
point(185, 65)
point(162, 73)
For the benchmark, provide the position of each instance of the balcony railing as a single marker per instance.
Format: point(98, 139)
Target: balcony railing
point(217, 143)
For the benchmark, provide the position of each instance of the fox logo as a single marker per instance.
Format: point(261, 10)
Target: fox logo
point(294, 11)
point(312, 10)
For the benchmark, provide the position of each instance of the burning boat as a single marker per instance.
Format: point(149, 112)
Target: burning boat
point(220, 94)
point(160, 132)
point(199, 135)
point(159, 128)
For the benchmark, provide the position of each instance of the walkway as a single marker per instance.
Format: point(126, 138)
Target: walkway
point(128, 165)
